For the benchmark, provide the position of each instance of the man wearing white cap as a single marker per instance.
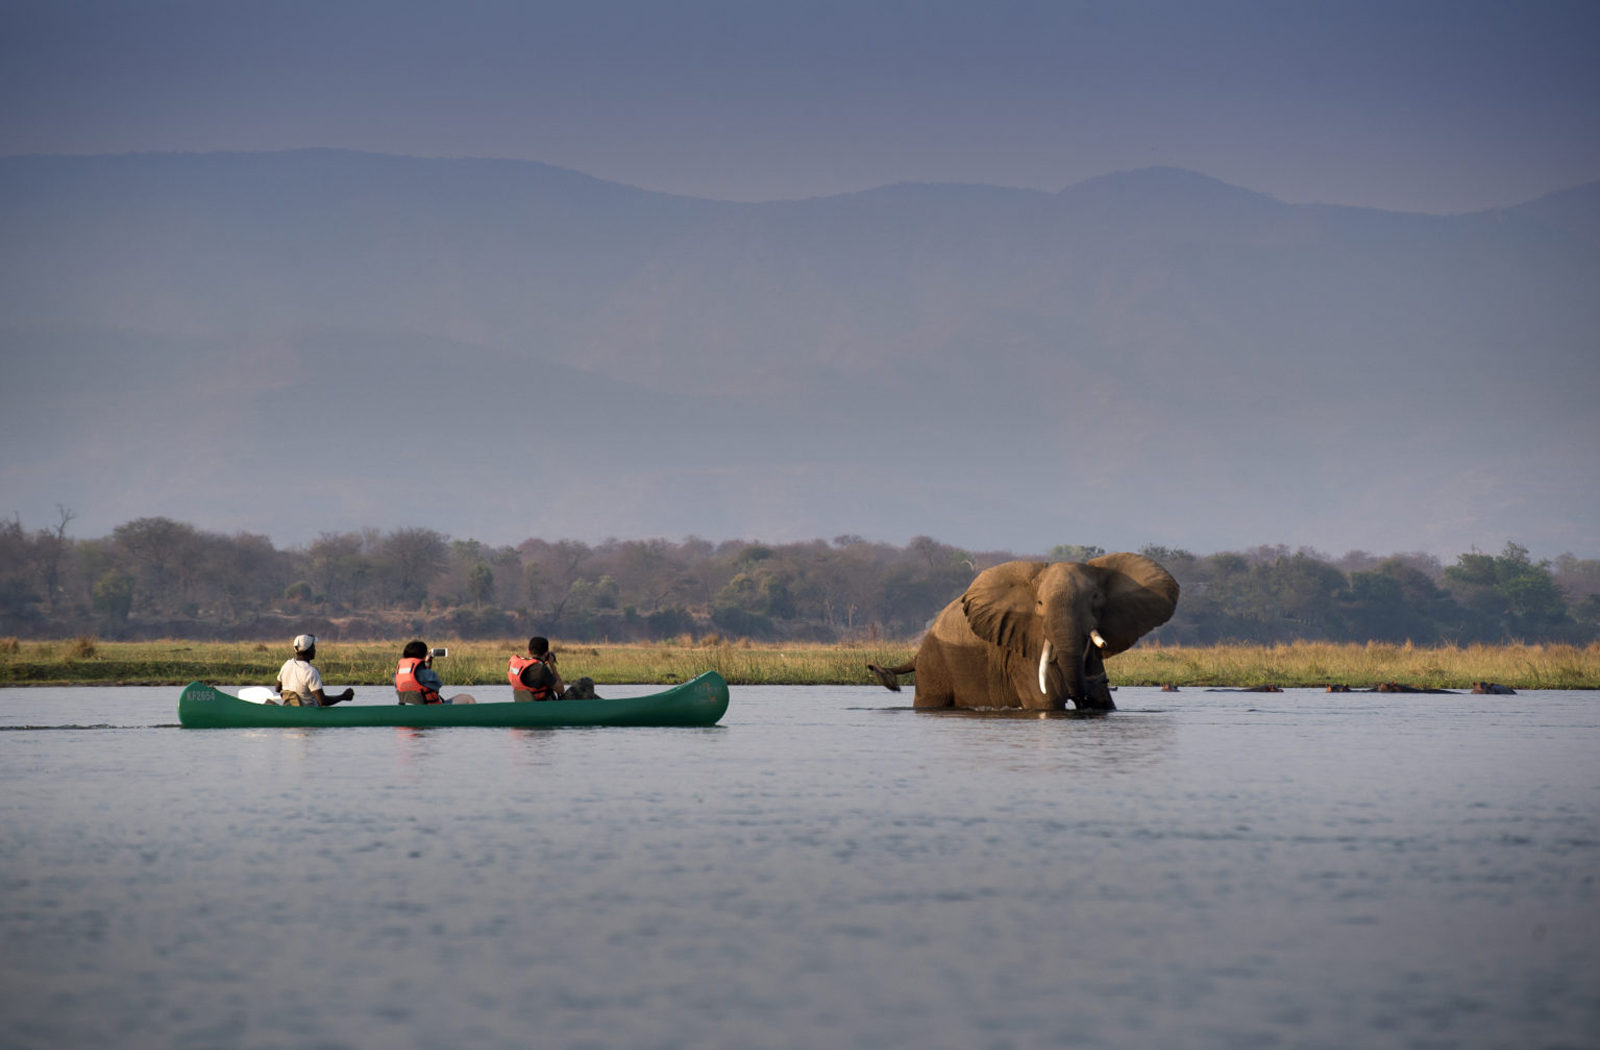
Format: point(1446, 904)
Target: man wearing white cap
point(300, 684)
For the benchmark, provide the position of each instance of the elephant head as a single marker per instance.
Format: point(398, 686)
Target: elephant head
point(1057, 622)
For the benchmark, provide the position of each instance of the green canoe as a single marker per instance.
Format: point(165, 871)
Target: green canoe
point(697, 702)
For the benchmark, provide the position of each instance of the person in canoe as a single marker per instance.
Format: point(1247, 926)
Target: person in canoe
point(534, 677)
point(300, 684)
point(415, 681)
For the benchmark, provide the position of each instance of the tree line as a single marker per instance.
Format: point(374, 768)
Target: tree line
point(159, 578)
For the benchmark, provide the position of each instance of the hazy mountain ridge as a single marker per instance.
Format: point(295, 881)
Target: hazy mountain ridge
point(901, 333)
point(1574, 212)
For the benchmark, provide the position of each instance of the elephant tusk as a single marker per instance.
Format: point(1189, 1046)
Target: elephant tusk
point(1044, 665)
point(1094, 636)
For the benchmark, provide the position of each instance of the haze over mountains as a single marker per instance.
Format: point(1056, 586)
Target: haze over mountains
point(311, 341)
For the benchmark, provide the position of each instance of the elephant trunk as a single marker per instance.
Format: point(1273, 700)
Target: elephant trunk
point(1082, 671)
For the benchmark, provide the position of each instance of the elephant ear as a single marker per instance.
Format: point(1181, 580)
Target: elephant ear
point(1140, 596)
point(1000, 605)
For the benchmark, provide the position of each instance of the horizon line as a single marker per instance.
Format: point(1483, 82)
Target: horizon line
point(930, 183)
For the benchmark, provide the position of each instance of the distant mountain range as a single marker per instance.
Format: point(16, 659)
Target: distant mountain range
point(319, 340)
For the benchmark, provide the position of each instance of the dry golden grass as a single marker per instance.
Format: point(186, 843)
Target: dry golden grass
point(1301, 664)
point(469, 663)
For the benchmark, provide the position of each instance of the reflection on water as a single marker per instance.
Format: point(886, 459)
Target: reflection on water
point(1004, 713)
point(821, 870)
point(1057, 743)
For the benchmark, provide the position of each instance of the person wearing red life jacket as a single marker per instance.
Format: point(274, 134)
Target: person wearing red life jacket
point(414, 680)
point(534, 677)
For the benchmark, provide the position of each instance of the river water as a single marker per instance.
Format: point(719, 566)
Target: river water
point(824, 869)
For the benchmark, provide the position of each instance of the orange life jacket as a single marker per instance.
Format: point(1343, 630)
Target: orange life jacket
point(405, 681)
point(514, 671)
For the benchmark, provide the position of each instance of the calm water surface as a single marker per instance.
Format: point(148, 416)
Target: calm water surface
point(824, 869)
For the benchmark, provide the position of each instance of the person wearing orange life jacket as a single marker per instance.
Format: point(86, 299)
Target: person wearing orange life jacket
point(414, 680)
point(534, 677)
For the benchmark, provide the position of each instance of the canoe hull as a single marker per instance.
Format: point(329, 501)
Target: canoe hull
point(700, 701)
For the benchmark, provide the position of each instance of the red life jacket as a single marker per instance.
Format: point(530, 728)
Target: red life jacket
point(514, 671)
point(405, 681)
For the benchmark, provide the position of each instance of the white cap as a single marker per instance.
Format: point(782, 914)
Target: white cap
point(302, 642)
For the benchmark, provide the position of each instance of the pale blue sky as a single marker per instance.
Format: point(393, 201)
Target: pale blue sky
point(1440, 107)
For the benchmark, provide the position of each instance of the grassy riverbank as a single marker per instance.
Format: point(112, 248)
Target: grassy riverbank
point(87, 661)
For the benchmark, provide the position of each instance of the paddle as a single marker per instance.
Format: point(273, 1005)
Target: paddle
point(260, 694)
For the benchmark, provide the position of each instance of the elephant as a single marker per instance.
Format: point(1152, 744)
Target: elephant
point(1035, 634)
